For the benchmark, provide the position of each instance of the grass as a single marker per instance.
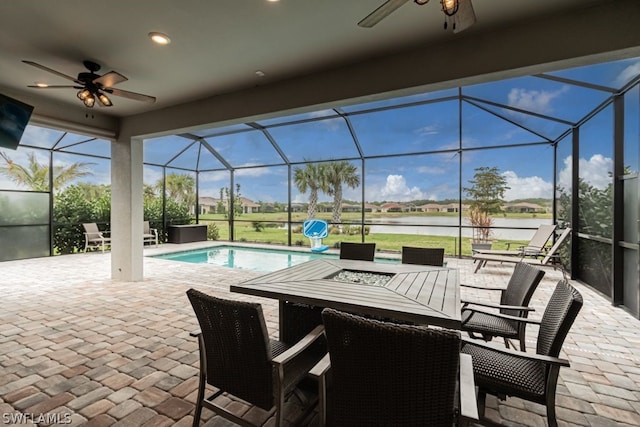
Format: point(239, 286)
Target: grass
point(245, 232)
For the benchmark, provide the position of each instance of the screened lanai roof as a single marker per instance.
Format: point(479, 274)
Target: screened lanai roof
point(523, 111)
point(527, 110)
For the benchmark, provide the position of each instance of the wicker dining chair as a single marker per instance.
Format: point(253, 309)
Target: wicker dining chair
point(386, 374)
point(423, 256)
point(506, 372)
point(237, 357)
point(357, 251)
point(479, 320)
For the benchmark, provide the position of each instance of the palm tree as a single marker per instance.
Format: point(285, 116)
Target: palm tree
point(179, 187)
point(312, 177)
point(336, 174)
point(35, 175)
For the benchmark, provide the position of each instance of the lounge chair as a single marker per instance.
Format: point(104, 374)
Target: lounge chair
point(549, 256)
point(149, 235)
point(94, 238)
point(534, 248)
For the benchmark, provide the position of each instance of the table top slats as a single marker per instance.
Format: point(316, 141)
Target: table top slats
point(420, 294)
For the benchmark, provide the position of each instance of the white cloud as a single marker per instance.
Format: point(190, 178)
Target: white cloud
point(427, 130)
point(526, 187)
point(627, 74)
point(594, 171)
point(252, 172)
point(538, 101)
point(151, 175)
point(396, 189)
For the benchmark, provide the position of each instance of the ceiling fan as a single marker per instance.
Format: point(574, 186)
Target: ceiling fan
point(458, 13)
point(93, 86)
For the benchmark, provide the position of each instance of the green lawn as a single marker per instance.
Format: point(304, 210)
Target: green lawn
point(245, 232)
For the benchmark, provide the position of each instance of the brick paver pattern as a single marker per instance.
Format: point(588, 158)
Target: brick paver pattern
point(77, 348)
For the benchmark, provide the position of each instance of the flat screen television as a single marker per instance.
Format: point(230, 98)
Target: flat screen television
point(14, 116)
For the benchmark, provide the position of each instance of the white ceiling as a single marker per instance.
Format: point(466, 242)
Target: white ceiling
point(217, 46)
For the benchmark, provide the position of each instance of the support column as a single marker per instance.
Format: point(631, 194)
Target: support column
point(126, 210)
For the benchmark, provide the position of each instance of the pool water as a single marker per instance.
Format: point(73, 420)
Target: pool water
point(255, 259)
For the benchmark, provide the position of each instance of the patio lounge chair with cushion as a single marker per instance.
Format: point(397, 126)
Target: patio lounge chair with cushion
point(534, 248)
point(381, 373)
point(357, 251)
point(237, 357)
point(505, 372)
point(149, 234)
point(514, 299)
point(423, 256)
point(94, 238)
point(550, 256)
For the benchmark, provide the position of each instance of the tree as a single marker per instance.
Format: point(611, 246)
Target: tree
point(35, 176)
point(311, 178)
point(336, 174)
point(237, 201)
point(487, 196)
point(180, 187)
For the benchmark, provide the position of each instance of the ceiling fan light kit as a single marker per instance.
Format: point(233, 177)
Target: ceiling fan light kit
point(459, 13)
point(93, 86)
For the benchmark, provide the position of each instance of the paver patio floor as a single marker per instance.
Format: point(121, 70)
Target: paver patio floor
point(74, 342)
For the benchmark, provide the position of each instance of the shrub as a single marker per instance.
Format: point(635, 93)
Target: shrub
point(257, 226)
point(212, 232)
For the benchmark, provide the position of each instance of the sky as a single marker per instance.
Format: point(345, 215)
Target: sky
point(432, 129)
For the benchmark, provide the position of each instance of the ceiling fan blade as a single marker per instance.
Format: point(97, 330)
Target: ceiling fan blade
point(111, 78)
point(465, 17)
point(56, 87)
point(380, 13)
point(58, 73)
point(130, 95)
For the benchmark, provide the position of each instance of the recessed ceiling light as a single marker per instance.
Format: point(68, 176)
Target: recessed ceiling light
point(42, 84)
point(272, 1)
point(159, 38)
point(261, 73)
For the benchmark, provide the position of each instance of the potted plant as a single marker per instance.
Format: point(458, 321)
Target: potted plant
point(486, 193)
point(481, 223)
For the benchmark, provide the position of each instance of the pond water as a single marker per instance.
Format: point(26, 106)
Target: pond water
point(447, 226)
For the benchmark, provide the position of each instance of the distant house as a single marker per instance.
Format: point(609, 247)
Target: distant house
point(249, 206)
point(295, 207)
point(351, 207)
point(524, 207)
point(430, 207)
point(368, 207)
point(391, 207)
point(209, 205)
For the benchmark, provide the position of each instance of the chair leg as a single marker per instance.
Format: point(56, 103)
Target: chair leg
point(482, 398)
point(202, 383)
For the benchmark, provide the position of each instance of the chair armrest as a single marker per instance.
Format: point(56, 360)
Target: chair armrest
point(504, 316)
point(154, 231)
point(484, 288)
point(195, 333)
point(468, 400)
point(299, 347)
point(321, 368)
point(466, 305)
point(320, 373)
point(549, 360)
point(293, 365)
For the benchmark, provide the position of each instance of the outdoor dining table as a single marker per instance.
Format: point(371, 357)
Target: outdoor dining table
point(419, 294)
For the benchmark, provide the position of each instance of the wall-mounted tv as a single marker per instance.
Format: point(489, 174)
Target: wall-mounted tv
point(14, 116)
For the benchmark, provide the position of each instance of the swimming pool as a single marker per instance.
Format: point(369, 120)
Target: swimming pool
point(255, 259)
